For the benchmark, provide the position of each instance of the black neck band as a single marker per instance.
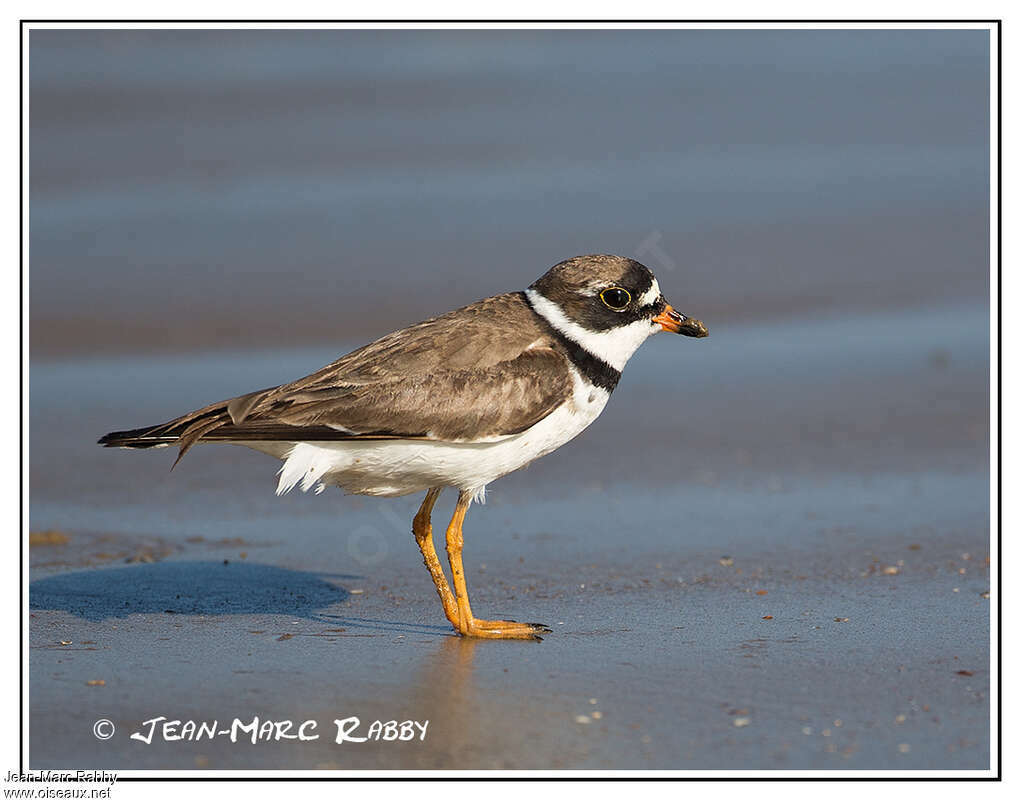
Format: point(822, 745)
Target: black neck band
point(595, 370)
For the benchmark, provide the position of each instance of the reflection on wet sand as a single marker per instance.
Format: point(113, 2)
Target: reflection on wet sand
point(446, 692)
point(472, 724)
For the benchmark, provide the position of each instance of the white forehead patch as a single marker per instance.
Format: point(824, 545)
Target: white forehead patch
point(651, 296)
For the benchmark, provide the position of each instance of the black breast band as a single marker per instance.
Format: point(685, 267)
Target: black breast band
point(590, 366)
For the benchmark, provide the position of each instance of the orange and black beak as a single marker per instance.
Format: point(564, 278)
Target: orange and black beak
point(680, 324)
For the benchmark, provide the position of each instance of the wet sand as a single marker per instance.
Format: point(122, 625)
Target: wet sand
point(770, 552)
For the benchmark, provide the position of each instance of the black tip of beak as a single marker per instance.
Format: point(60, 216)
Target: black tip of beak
point(693, 328)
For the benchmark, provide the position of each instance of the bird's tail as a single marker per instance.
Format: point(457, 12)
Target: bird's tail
point(227, 422)
point(183, 431)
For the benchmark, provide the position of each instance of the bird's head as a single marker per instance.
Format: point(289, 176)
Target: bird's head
point(608, 304)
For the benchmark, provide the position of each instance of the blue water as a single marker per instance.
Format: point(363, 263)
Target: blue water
point(240, 188)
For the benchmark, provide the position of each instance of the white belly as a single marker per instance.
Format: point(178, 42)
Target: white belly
point(392, 468)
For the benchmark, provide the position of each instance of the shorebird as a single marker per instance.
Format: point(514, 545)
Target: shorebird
point(458, 400)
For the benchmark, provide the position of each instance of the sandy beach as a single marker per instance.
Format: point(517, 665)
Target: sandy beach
point(723, 595)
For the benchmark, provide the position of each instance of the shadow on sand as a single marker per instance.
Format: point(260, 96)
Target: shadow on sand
point(189, 587)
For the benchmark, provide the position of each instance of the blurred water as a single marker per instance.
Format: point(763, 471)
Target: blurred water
point(195, 188)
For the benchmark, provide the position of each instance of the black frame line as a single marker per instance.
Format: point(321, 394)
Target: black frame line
point(730, 23)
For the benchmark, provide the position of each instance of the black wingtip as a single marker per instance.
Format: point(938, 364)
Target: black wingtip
point(135, 439)
point(111, 439)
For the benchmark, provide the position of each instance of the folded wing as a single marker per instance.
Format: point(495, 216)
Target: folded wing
point(431, 381)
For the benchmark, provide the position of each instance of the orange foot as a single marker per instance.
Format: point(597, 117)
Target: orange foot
point(502, 629)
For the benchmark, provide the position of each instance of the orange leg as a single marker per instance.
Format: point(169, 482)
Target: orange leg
point(424, 534)
point(464, 621)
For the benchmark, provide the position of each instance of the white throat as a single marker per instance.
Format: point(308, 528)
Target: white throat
point(613, 346)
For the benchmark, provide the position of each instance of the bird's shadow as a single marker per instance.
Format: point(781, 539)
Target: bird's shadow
point(189, 587)
point(388, 625)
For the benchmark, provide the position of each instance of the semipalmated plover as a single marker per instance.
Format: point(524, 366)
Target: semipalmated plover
point(458, 400)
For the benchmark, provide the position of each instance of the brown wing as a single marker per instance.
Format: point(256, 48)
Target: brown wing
point(481, 372)
point(463, 405)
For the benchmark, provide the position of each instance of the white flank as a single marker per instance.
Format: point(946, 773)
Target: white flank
point(305, 465)
point(392, 468)
point(614, 346)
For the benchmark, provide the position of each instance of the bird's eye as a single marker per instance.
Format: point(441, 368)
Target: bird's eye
point(616, 298)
